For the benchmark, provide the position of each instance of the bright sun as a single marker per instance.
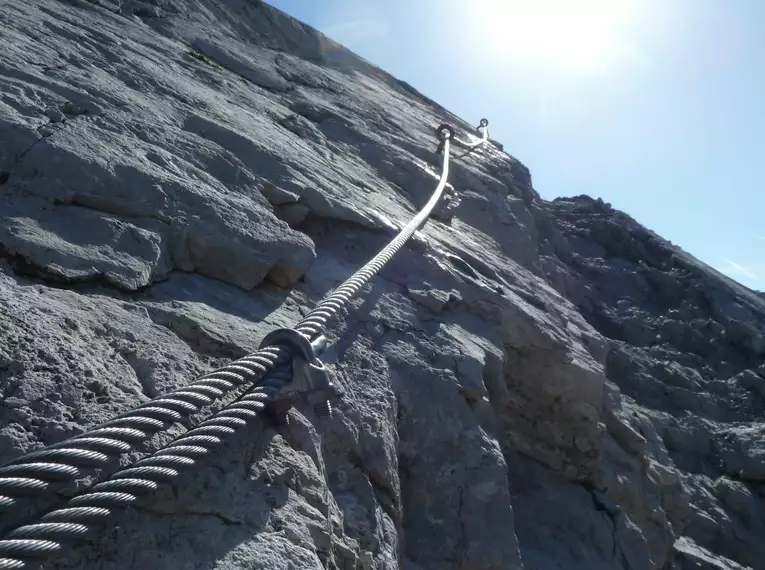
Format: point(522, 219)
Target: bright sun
point(580, 35)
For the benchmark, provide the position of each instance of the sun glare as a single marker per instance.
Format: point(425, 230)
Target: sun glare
point(582, 36)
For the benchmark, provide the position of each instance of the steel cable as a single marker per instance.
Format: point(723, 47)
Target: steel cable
point(85, 514)
point(80, 517)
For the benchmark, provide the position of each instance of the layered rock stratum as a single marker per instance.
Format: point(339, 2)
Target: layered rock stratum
point(529, 384)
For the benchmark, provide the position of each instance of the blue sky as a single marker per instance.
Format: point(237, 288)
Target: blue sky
point(657, 106)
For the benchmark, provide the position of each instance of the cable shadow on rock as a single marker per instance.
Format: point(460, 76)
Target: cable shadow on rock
point(342, 248)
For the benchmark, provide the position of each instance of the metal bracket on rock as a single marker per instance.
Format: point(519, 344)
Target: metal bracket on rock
point(310, 378)
point(443, 132)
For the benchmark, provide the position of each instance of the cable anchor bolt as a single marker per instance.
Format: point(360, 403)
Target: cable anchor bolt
point(443, 132)
point(311, 380)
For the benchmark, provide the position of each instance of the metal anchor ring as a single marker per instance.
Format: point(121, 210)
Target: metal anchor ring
point(444, 132)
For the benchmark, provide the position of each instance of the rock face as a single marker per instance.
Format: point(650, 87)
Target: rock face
point(530, 385)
